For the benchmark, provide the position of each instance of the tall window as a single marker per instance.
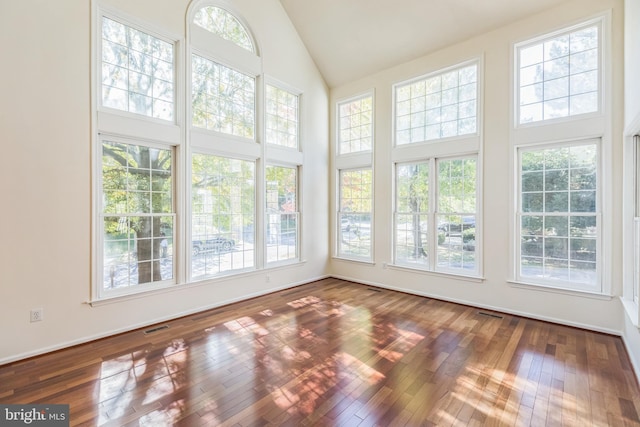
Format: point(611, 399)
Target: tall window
point(137, 214)
point(355, 122)
point(282, 213)
point(137, 71)
point(559, 228)
point(281, 117)
point(457, 207)
point(222, 215)
point(412, 214)
point(223, 98)
point(438, 106)
point(354, 216)
point(559, 75)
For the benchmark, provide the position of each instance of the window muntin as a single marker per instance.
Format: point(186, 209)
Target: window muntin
point(355, 125)
point(558, 211)
point(222, 215)
point(282, 213)
point(559, 76)
point(457, 214)
point(138, 216)
point(281, 117)
point(225, 25)
point(223, 99)
point(439, 106)
point(412, 214)
point(355, 212)
point(137, 71)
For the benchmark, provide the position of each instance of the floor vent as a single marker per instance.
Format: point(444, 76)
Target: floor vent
point(159, 328)
point(374, 290)
point(490, 315)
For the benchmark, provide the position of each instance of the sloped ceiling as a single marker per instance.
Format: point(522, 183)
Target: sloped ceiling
point(350, 39)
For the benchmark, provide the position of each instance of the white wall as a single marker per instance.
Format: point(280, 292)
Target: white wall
point(631, 127)
point(496, 49)
point(45, 177)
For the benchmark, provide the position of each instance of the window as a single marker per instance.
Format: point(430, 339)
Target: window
point(559, 75)
point(282, 213)
point(559, 228)
point(137, 71)
point(223, 98)
point(281, 117)
point(355, 122)
point(138, 216)
point(224, 24)
point(354, 216)
point(412, 214)
point(457, 207)
point(442, 239)
point(438, 106)
point(222, 215)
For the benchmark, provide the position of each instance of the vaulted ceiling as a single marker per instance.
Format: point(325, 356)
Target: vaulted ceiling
point(349, 39)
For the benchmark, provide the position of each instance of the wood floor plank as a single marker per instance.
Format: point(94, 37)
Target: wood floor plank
point(337, 353)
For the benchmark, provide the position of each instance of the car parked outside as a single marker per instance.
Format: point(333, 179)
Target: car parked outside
point(216, 244)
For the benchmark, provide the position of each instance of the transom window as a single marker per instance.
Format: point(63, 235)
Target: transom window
point(223, 98)
point(225, 25)
point(438, 106)
point(559, 210)
point(281, 117)
point(559, 76)
point(355, 125)
point(137, 71)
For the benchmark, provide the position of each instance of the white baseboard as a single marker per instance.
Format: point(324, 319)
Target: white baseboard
point(145, 324)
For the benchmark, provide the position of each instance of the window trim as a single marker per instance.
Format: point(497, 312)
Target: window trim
point(298, 258)
point(338, 255)
point(602, 21)
point(600, 287)
point(472, 138)
point(269, 81)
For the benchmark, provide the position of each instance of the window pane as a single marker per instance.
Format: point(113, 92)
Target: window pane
point(225, 25)
point(558, 232)
point(133, 64)
point(138, 222)
point(281, 117)
point(568, 68)
point(282, 213)
point(223, 215)
point(449, 98)
point(355, 122)
point(223, 99)
point(356, 201)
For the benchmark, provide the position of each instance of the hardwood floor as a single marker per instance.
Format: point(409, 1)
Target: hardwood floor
point(335, 353)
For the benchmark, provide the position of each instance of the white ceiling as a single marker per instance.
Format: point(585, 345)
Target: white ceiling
point(349, 39)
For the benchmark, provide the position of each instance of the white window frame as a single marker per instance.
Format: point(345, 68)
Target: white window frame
point(590, 126)
point(601, 22)
point(478, 63)
point(597, 288)
point(130, 128)
point(296, 258)
point(349, 161)
point(340, 214)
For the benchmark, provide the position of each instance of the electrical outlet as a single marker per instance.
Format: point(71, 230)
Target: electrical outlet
point(267, 278)
point(37, 315)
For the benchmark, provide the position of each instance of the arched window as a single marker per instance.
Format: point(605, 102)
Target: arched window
point(224, 24)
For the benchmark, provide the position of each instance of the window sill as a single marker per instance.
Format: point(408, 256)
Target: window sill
point(558, 290)
point(354, 260)
point(448, 275)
